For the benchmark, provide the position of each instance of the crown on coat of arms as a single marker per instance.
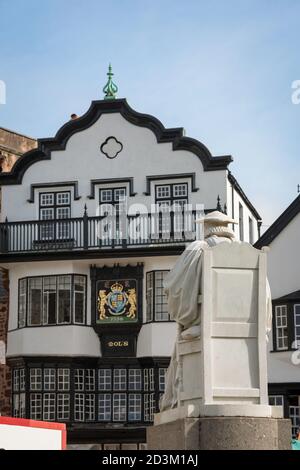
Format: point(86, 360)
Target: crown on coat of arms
point(117, 287)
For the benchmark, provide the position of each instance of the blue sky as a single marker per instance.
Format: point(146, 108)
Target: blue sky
point(223, 70)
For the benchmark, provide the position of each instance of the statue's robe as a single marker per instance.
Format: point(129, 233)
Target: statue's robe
point(182, 286)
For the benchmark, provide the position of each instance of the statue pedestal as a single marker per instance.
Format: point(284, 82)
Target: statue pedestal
point(220, 387)
point(221, 433)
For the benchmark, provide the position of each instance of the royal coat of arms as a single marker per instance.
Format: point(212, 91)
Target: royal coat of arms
point(117, 301)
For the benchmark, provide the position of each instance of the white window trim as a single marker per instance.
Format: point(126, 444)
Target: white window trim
point(297, 340)
point(278, 348)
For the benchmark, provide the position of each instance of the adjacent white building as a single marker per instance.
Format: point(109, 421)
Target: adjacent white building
point(284, 277)
point(89, 334)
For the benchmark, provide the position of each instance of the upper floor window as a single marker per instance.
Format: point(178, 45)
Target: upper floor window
point(281, 327)
point(113, 202)
point(52, 300)
point(113, 196)
point(55, 206)
point(157, 308)
point(173, 195)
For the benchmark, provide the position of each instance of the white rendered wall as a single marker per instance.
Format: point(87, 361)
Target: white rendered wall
point(82, 160)
point(284, 260)
point(237, 200)
point(284, 278)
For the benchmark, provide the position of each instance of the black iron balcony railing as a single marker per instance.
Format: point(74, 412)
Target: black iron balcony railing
point(98, 232)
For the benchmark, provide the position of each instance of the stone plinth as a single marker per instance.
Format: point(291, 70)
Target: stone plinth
point(221, 433)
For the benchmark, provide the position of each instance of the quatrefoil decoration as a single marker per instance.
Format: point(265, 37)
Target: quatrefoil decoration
point(111, 147)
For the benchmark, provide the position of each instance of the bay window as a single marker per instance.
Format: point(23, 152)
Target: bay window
point(52, 300)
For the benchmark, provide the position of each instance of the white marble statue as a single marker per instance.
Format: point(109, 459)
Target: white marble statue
point(183, 286)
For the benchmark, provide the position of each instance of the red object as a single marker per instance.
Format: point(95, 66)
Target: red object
point(37, 424)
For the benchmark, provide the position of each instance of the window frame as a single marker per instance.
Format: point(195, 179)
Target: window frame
point(55, 207)
point(152, 318)
point(276, 328)
point(72, 321)
point(295, 325)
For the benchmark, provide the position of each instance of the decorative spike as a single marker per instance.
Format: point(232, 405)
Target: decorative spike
point(298, 188)
point(110, 88)
point(85, 210)
point(219, 207)
point(225, 209)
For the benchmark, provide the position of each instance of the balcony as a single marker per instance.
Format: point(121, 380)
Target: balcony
point(84, 234)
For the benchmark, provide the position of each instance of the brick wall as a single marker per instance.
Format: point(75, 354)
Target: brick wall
point(5, 373)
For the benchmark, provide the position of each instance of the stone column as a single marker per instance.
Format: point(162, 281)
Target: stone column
point(5, 372)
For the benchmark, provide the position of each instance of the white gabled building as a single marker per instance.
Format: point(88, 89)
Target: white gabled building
point(89, 336)
point(284, 277)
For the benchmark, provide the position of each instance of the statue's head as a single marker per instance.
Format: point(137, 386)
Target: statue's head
point(217, 224)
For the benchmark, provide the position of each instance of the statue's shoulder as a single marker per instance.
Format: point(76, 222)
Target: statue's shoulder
point(197, 245)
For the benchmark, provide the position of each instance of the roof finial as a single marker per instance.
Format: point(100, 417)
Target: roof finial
point(110, 88)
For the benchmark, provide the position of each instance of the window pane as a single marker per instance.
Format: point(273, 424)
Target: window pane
point(79, 299)
point(106, 195)
point(64, 299)
point(120, 379)
point(47, 199)
point(104, 379)
point(63, 198)
point(119, 407)
point(281, 327)
point(35, 301)
point(49, 296)
point(297, 323)
point(79, 407)
point(49, 407)
point(35, 379)
point(22, 380)
point(163, 191)
point(63, 379)
point(79, 379)
point(180, 190)
point(276, 400)
point(16, 380)
point(63, 406)
point(22, 302)
point(89, 380)
point(134, 379)
point(35, 406)
point(161, 305)
point(49, 379)
point(149, 297)
point(149, 406)
point(134, 407)
point(104, 413)
point(120, 194)
point(89, 407)
point(162, 379)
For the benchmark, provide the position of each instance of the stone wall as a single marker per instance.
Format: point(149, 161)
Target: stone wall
point(12, 146)
point(5, 373)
